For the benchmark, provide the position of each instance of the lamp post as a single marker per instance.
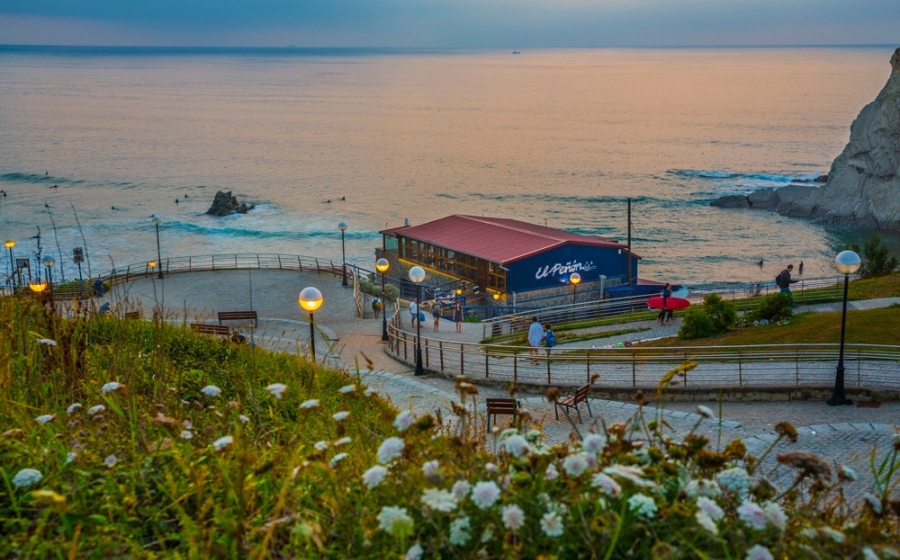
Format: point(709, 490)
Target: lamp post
point(311, 299)
point(343, 227)
point(12, 273)
point(37, 285)
point(417, 274)
point(382, 265)
point(48, 262)
point(150, 266)
point(574, 278)
point(846, 262)
point(156, 221)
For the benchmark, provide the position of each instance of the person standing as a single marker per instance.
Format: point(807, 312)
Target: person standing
point(784, 282)
point(665, 313)
point(436, 313)
point(458, 317)
point(413, 313)
point(535, 336)
point(377, 306)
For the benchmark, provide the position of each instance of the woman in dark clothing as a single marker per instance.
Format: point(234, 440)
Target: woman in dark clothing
point(665, 315)
point(457, 317)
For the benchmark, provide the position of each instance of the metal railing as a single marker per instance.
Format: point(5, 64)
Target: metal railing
point(800, 365)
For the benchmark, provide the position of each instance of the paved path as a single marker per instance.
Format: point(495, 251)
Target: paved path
point(846, 434)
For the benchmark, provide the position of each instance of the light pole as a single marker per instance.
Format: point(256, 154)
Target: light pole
point(311, 299)
point(382, 265)
point(343, 227)
point(846, 262)
point(417, 274)
point(12, 273)
point(48, 262)
point(574, 278)
point(37, 285)
point(156, 221)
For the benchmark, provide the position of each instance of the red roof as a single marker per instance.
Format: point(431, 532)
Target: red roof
point(500, 240)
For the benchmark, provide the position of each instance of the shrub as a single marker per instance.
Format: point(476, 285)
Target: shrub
point(715, 317)
point(722, 313)
point(772, 308)
point(874, 257)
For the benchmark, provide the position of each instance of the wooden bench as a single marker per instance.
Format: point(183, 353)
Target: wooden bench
point(572, 401)
point(133, 315)
point(501, 406)
point(239, 316)
point(217, 330)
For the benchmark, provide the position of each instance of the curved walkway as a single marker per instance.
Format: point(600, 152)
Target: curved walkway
point(844, 434)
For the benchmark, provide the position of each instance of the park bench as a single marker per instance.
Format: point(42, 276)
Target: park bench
point(573, 400)
point(239, 316)
point(132, 314)
point(497, 406)
point(217, 330)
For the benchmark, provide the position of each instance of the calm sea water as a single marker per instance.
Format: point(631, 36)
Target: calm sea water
point(562, 137)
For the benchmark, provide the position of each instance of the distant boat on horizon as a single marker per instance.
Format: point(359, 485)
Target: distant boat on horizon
point(515, 52)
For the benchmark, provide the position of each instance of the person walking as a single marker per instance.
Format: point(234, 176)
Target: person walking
point(535, 336)
point(413, 313)
point(665, 314)
point(436, 313)
point(377, 306)
point(549, 339)
point(458, 317)
point(784, 282)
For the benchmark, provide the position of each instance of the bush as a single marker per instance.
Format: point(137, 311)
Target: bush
point(715, 317)
point(373, 288)
point(722, 313)
point(874, 256)
point(773, 308)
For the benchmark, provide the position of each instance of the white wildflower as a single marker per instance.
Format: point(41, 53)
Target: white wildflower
point(243, 419)
point(27, 477)
point(575, 464)
point(340, 416)
point(833, 534)
point(370, 392)
point(186, 434)
point(404, 420)
point(629, 472)
point(337, 459)
point(222, 443)
point(311, 403)
point(551, 473)
point(759, 552)
point(533, 436)
point(775, 515)
point(44, 418)
point(110, 387)
point(490, 467)
point(873, 501)
point(96, 409)
point(705, 411)
point(703, 487)
point(374, 476)
point(439, 500)
point(111, 461)
point(642, 505)
point(517, 446)
point(606, 485)
point(705, 521)
point(461, 489)
point(593, 443)
point(72, 408)
point(752, 515)
point(276, 389)
point(735, 480)
point(430, 468)
point(513, 517)
point(552, 525)
point(485, 494)
point(390, 449)
point(710, 508)
point(415, 552)
point(211, 391)
point(321, 446)
point(47, 341)
point(459, 531)
point(343, 441)
point(869, 554)
point(487, 535)
point(347, 389)
point(395, 521)
point(71, 456)
point(848, 472)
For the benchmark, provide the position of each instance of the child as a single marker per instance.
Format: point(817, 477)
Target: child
point(436, 313)
point(549, 338)
point(457, 317)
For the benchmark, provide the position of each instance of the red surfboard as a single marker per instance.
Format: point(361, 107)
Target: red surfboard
point(672, 302)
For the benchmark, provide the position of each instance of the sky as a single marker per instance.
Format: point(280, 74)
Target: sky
point(450, 23)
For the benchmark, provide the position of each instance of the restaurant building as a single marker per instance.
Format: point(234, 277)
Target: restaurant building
point(503, 256)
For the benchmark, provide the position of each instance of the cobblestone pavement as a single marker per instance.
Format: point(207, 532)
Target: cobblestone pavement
point(843, 435)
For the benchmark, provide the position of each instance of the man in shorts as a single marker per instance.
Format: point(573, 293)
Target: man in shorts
point(535, 336)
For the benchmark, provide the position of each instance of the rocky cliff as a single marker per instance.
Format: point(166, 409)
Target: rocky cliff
point(863, 186)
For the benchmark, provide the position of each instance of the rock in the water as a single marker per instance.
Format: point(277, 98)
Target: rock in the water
point(862, 188)
point(732, 201)
point(225, 204)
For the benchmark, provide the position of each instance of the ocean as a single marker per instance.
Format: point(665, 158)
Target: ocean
point(108, 137)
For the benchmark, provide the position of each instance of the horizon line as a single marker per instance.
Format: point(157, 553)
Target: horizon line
point(468, 48)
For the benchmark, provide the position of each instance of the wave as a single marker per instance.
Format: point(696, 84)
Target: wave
point(187, 228)
point(763, 177)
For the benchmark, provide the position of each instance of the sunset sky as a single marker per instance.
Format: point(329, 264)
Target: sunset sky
point(449, 23)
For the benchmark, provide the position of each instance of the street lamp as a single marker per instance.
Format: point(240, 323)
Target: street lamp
point(9, 245)
point(417, 274)
point(37, 285)
point(343, 227)
point(574, 278)
point(48, 262)
point(311, 299)
point(846, 262)
point(382, 265)
point(156, 221)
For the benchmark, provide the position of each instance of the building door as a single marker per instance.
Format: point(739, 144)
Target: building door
point(481, 275)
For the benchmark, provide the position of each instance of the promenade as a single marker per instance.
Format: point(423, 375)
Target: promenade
point(844, 434)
